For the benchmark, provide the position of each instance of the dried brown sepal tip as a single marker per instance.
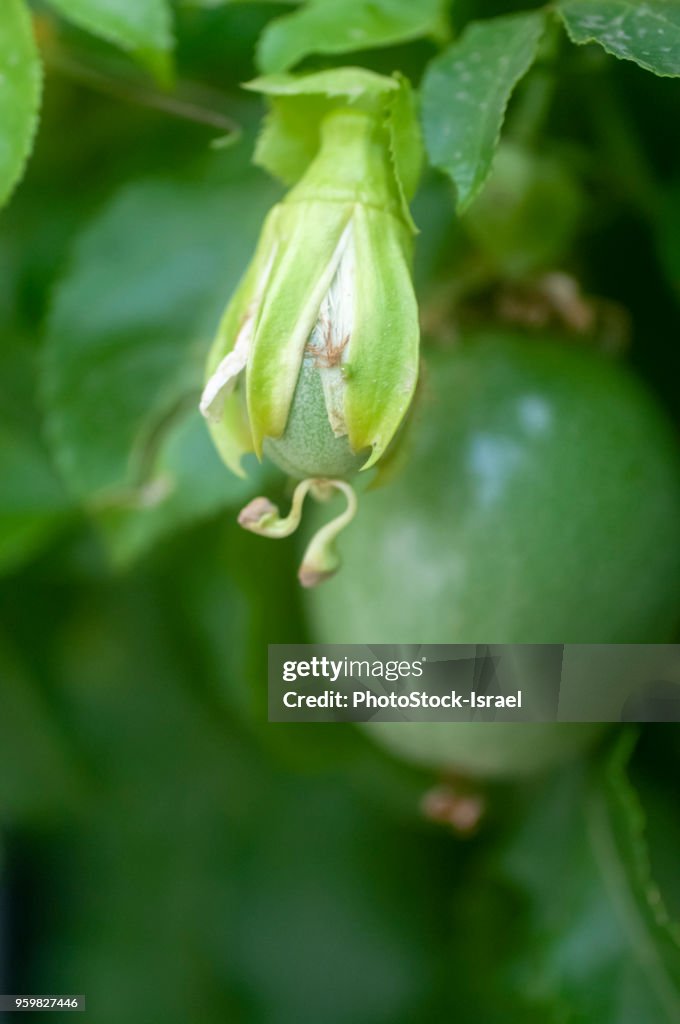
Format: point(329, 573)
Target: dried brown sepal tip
point(261, 516)
point(251, 517)
point(309, 577)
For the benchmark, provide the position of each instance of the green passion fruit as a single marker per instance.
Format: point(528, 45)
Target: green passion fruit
point(308, 447)
point(540, 503)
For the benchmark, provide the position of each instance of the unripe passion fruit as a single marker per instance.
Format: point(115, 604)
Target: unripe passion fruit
point(308, 446)
point(540, 504)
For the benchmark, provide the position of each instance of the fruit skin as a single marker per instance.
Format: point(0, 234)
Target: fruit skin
point(540, 503)
point(308, 446)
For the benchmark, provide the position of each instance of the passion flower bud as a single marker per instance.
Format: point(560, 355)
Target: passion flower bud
point(316, 358)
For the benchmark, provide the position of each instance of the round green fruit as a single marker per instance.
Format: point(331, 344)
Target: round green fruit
point(540, 503)
point(308, 447)
point(525, 219)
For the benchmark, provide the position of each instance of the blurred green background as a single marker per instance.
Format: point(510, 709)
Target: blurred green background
point(162, 849)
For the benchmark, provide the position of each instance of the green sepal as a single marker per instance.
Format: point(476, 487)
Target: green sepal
point(291, 135)
point(231, 435)
point(234, 314)
point(20, 91)
point(308, 235)
point(382, 354)
point(406, 143)
point(349, 83)
point(353, 164)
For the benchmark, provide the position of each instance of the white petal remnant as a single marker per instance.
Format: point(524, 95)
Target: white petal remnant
point(327, 345)
point(222, 381)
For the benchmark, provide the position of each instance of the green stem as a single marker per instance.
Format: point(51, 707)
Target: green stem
point(624, 152)
point(141, 95)
point(536, 93)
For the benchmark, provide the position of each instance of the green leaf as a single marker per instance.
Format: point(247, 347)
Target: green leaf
point(617, 834)
point(20, 83)
point(190, 482)
point(126, 342)
point(33, 505)
point(645, 32)
point(344, 26)
point(46, 784)
point(595, 943)
point(466, 91)
point(142, 27)
point(668, 234)
point(33, 501)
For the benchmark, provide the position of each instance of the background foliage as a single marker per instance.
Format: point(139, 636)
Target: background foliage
point(162, 849)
